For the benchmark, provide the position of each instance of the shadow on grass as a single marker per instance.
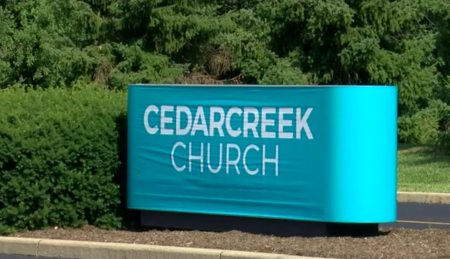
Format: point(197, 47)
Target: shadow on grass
point(409, 148)
point(404, 147)
point(432, 161)
point(423, 155)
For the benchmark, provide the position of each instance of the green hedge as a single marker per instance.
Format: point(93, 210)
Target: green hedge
point(429, 126)
point(60, 158)
point(63, 155)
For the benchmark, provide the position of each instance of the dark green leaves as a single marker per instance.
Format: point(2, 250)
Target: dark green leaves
point(59, 157)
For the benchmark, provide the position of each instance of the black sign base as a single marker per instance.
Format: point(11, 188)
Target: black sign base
point(278, 227)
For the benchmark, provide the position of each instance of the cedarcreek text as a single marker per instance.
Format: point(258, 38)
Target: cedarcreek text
point(220, 122)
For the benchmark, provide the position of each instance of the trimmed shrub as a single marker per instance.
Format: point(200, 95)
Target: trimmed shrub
point(420, 128)
point(428, 126)
point(443, 140)
point(60, 157)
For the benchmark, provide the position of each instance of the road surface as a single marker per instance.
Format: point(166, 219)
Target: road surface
point(421, 216)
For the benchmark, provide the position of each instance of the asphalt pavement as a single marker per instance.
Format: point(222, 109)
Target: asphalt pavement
point(421, 216)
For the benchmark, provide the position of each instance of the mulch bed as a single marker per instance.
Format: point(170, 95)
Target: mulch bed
point(393, 244)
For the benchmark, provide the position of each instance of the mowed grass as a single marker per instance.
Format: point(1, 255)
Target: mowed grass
point(422, 169)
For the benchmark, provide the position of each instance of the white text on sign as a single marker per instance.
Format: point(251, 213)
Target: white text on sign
point(247, 122)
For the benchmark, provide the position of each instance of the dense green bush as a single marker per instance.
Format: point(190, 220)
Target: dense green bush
point(113, 43)
point(443, 137)
point(62, 153)
point(420, 128)
point(60, 157)
point(430, 126)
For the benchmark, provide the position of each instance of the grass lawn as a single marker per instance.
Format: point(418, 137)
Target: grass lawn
point(422, 169)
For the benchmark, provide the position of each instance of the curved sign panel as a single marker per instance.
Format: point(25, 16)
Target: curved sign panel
point(316, 153)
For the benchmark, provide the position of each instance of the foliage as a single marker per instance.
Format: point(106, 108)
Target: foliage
point(420, 128)
point(52, 44)
point(59, 157)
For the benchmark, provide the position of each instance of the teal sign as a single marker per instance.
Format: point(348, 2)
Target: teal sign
point(288, 152)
